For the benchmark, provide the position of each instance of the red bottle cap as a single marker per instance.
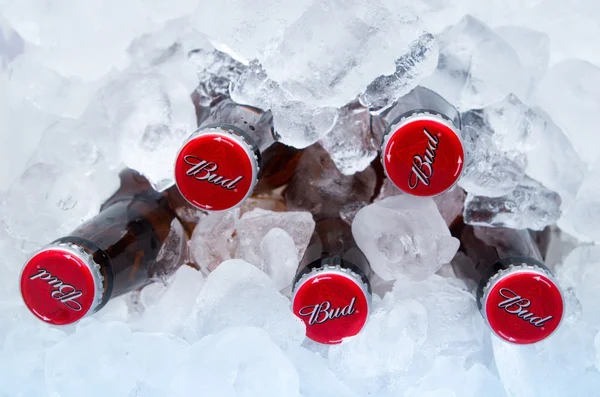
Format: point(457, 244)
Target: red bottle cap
point(522, 304)
point(61, 284)
point(422, 154)
point(333, 303)
point(217, 169)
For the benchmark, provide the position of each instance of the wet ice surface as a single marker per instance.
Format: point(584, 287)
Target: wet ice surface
point(87, 88)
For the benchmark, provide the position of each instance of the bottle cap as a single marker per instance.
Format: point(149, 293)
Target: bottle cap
point(217, 168)
point(422, 153)
point(333, 302)
point(522, 304)
point(61, 284)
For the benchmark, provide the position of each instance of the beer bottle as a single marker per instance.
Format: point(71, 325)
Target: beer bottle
point(135, 239)
point(517, 294)
point(331, 289)
point(421, 147)
point(220, 165)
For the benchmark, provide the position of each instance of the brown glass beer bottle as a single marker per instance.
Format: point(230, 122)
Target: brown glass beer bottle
point(331, 289)
point(135, 239)
point(221, 163)
point(517, 294)
point(421, 147)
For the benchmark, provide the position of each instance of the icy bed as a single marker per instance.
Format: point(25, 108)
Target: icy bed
point(89, 87)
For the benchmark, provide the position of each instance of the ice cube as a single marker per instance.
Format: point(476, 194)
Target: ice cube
point(579, 272)
point(558, 360)
point(240, 361)
point(11, 43)
point(581, 216)
point(22, 363)
point(476, 66)
point(419, 62)
point(99, 362)
point(320, 188)
point(211, 241)
point(152, 116)
point(154, 356)
point(507, 138)
point(18, 115)
point(455, 327)
point(350, 143)
point(533, 50)
point(280, 257)
point(296, 124)
point(529, 206)
point(353, 45)
point(251, 28)
point(251, 232)
point(489, 170)
point(570, 93)
point(237, 294)
point(87, 46)
point(404, 236)
point(450, 377)
point(316, 379)
point(410, 329)
point(49, 91)
point(44, 203)
point(553, 161)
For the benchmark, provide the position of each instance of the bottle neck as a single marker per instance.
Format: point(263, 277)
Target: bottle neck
point(421, 99)
point(493, 249)
point(256, 124)
point(332, 243)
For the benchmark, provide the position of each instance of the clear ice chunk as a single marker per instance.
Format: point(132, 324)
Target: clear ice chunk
point(570, 93)
point(412, 327)
point(22, 363)
point(11, 43)
point(44, 203)
point(250, 29)
point(419, 62)
point(353, 45)
point(238, 294)
point(211, 242)
point(476, 66)
point(529, 206)
point(21, 128)
point(316, 379)
point(295, 123)
point(582, 216)
point(350, 143)
point(533, 50)
point(99, 361)
point(152, 115)
point(404, 236)
point(488, 170)
point(240, 361)
point(88, 46)
point(255, 246)
point(280, 257)
point(49, 91)
point(508, 139)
